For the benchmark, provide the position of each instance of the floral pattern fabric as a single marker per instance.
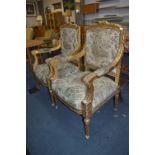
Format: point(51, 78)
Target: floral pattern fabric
point(101, 49)
point(69, 41)
point(66, 69)
point(101, 46)
point(73, 90)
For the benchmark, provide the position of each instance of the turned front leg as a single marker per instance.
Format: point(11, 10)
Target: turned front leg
point(52, 95)
point(87, 112)
point(116, 101)
point(86, 127)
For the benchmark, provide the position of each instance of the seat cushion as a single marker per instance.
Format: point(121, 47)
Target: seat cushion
point(64, 69)
point(72, 89)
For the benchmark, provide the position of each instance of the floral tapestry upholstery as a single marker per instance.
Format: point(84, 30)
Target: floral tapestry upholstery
point(66, 69)
point(69, 41)
point(73, 90)
point(101, 46)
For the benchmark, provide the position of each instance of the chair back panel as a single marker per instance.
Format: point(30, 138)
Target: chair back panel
point(101, 46)
point(70, 39)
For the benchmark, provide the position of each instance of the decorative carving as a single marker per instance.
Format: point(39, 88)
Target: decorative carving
point(86, 104)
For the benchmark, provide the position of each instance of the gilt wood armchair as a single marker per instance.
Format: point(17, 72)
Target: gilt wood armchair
point(69, 44)
point(85, 92)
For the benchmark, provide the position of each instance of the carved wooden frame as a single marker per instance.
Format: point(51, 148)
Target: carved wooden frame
point(35, 53)
point(87, 110)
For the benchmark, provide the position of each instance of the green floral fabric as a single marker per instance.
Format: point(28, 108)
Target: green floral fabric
point(101, 49)
point(69, 41)
point(73, 90)
point(66, 69)
point(101, 46)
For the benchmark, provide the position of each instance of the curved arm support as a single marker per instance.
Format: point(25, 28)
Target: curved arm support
point(52, 71)
point(88, 79)
point(87, 102)
point(36, 61)
point(52, 63)
point(42, 51)
point(78, 55)
point(117, 59)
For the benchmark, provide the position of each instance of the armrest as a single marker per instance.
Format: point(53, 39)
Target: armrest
point(78, 55)
point(47, 44)
point(47, 50)
point(106, 68)
point(53, 62)
point(88, 79)
point(42, 51)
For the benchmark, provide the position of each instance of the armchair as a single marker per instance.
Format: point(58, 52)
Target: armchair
point(85, 92)
point(69, 43)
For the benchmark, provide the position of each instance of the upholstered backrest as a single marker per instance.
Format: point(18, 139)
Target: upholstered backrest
point(102, 44)
point(29, 33)
point(70, 39)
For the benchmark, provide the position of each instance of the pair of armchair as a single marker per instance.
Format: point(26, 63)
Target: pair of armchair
point(84, 92)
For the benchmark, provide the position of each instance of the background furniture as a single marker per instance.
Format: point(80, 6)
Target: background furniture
point(85, 92)
point(55, 20)
point(32, 44)
point(49, 35)
point(29, 33)
point(39, 31)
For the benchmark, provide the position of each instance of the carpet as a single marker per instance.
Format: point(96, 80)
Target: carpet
point(60, 132)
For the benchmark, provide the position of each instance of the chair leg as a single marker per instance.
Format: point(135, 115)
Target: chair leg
point(35, 89)
point(86, 127)
point(53, 99)
point(51, 93)
point(116, 102)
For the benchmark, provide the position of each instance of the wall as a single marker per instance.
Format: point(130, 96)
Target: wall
point(108, 7)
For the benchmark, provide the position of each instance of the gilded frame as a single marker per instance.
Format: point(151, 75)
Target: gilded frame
point(86, 105)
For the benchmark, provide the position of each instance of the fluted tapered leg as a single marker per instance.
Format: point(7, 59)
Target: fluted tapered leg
point(51, 93)
point(53, 98)
point(86, 127)
point(116, 102)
